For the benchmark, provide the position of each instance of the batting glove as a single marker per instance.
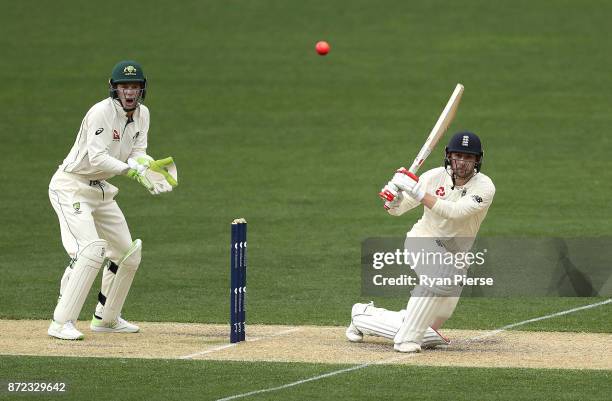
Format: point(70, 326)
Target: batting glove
point(388, 192)
point(395, 202)
point(409, 183)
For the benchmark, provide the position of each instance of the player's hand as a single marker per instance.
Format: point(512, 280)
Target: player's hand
point(404, 179)
point(392, 204)
point(389, 192)
point(409, 183)
point(138, 170)
point(158, 176)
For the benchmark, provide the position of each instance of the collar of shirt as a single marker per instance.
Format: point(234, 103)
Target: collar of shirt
point(123, 113)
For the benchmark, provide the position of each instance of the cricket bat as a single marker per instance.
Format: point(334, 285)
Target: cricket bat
point(447, 116)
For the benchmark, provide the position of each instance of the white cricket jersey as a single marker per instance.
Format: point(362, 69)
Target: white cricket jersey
point(106, 139)
point(458, 212)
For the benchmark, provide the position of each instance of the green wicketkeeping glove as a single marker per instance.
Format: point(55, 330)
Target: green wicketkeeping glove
point(167, 168)
point(138, 170)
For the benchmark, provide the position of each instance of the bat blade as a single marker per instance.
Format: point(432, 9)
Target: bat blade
point(447, 116)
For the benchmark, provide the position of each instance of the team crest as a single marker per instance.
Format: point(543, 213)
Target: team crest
point(116, 136)
point(77, 207)
point(129, 70)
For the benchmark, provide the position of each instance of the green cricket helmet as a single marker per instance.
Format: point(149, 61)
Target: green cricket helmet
point(124, 72)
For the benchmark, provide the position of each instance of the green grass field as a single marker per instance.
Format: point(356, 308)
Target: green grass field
point(196, 380)
point(262, 127)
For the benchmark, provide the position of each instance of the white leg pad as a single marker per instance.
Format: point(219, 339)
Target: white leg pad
point(65, 279)
point(421, 312)
point(122, 282)
point(377, 321)
point(79, 283)
point(381, 322)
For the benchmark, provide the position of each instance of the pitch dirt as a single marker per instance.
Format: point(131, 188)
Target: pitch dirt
point(317, 344)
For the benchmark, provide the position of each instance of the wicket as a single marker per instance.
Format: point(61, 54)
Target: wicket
point(238, 280)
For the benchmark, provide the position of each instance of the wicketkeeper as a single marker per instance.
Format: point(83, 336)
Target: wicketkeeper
point(456, 199)
point(112, 140)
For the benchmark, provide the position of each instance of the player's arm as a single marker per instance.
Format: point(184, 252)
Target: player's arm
point(161, 175)
point(401, 204)
point(466, 206)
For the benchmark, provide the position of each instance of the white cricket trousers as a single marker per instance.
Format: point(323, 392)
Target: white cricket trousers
point(87, 211)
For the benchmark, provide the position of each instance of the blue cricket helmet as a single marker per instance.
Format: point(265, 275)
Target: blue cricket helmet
point(465, 142)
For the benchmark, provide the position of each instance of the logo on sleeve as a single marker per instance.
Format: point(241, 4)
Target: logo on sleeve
point(463, 192)
point(477, 198)
point(440, 192)
point(115, 135)
point(99, 131)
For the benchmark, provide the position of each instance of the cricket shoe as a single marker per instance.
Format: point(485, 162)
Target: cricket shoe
point(118, 326)
point(354, 335)
point(433, 339)
point(65, 331)
point(407, 347)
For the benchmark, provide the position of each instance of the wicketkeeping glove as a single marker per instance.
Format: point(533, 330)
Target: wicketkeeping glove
point(162, 175)
point(137, 172)
point(167, 169)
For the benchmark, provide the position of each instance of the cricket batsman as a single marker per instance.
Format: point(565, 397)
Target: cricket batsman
point(111, 141)
point(456, 199)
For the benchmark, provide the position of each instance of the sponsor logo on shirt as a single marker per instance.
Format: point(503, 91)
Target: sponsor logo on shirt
point(477, 198)
point(99, 131)
point(440, 192)
point(115, 135)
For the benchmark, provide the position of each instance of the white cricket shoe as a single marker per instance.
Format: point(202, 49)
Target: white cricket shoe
point(407, 347)
point(118, 326)
point(353, 335)
point(65, 331)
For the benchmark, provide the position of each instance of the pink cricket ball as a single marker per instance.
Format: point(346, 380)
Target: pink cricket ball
point(322, 47)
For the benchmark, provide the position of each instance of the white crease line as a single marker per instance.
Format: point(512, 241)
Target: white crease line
point(335, 372)
point(280, 333)
point(365, 365)
point(249, 340)
point(208, 351)
point(565, 312)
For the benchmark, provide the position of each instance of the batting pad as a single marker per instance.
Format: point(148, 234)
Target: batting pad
point(83, 274)
point(121, 284)
point(385, 323)
point(421, 312)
